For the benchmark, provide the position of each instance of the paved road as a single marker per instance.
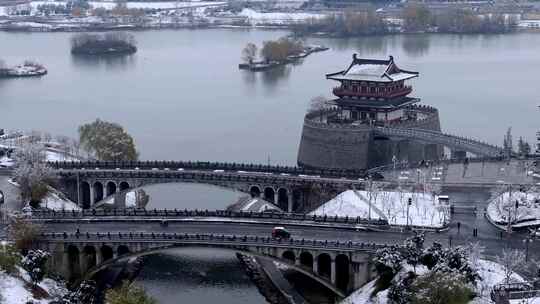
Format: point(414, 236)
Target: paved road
point(11, 201)
point(491, 241)
point(472, 174)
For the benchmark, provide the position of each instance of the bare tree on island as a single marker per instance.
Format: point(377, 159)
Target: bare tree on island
point(249, 53)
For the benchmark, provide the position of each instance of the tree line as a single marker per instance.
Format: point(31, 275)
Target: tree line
point(83, 39)
point(113, 42)
point(273, 50)
point(415, 18)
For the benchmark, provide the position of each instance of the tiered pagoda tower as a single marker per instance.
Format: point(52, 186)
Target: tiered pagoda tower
point(372, 93)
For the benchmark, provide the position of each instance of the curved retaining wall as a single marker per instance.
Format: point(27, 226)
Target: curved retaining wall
point(347, 146)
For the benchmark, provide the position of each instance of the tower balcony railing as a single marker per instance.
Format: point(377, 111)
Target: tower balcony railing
point(341, 92)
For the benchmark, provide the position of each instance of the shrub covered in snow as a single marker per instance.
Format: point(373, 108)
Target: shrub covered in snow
point(86, 293)
point(440, 288)
point(413, 274)
point(128, 294)
point(34, 262)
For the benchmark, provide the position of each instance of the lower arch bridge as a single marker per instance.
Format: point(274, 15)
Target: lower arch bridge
point(339, 266)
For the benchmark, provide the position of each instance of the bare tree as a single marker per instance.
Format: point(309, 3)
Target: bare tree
point(24, 233)
point(47, 137)
point(249, 53)
point(32, 173)
point(318, 104)
point(512, 260)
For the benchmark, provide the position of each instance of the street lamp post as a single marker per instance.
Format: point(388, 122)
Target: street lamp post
point(409, 202)
point(370, 185)
point(527, 241)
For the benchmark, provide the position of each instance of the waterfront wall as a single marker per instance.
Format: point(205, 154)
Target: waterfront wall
point(346, 146)
point(333, 146)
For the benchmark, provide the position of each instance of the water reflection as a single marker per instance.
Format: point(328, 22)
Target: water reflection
point(269, 78)
point(416, 45)
point(204, 275)
point(112, 62)
point(272, 77)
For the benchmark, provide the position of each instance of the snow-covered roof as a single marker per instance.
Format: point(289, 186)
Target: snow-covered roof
point(373, 70)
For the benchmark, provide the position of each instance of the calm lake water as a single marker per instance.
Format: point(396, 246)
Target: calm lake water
point(182, 97)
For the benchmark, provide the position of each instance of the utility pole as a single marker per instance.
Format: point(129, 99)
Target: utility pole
point(370, 189)
point(409, 202)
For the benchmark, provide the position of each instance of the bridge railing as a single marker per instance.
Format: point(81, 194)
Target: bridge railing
point(427, 163)
point(202, 165)
point(246, 240)
point(472, 145)
point(171, 214)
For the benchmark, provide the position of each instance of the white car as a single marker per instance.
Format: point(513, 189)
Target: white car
point(219, 171)
point(180, 169)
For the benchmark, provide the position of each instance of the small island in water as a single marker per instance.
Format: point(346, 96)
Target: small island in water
point(116, 43)
point(27, 69)
point(276, 53)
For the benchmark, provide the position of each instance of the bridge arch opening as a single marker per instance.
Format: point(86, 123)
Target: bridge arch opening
point(74, 262)
point(297, 199)
point(289, 256)
point(324, 265)
point(124, 186)
point(98, 192)
point(306, 259)
point(90, 258)
point(85, 195)
point(269, 194)
point(283, 199)
point(342, 272)
point(122, 250)
point(106, 253)
point(111, 188)
point(255, 191)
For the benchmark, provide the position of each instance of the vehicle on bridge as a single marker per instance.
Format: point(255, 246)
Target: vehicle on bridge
point(280, 233)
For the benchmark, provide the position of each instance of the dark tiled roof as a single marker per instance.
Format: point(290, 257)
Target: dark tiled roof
point(373, 70)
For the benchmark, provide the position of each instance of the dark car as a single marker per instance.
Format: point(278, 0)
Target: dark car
point(280, 233)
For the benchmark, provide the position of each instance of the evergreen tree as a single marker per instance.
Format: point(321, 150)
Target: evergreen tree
point(108, 141)
point(128, 294)
point(34, 263)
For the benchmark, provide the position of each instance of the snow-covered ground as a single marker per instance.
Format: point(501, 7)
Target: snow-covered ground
point(255, 17)
point(492, 274)
point(503, 207)
point(6, 161)
point(131, 199)
point(136, 4)
point(57, 201)
point(425, 210)
point(13, 289)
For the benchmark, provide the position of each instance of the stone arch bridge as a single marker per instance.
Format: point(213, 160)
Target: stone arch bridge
point(292, 189)
point(455, 143)
point(340, 266)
